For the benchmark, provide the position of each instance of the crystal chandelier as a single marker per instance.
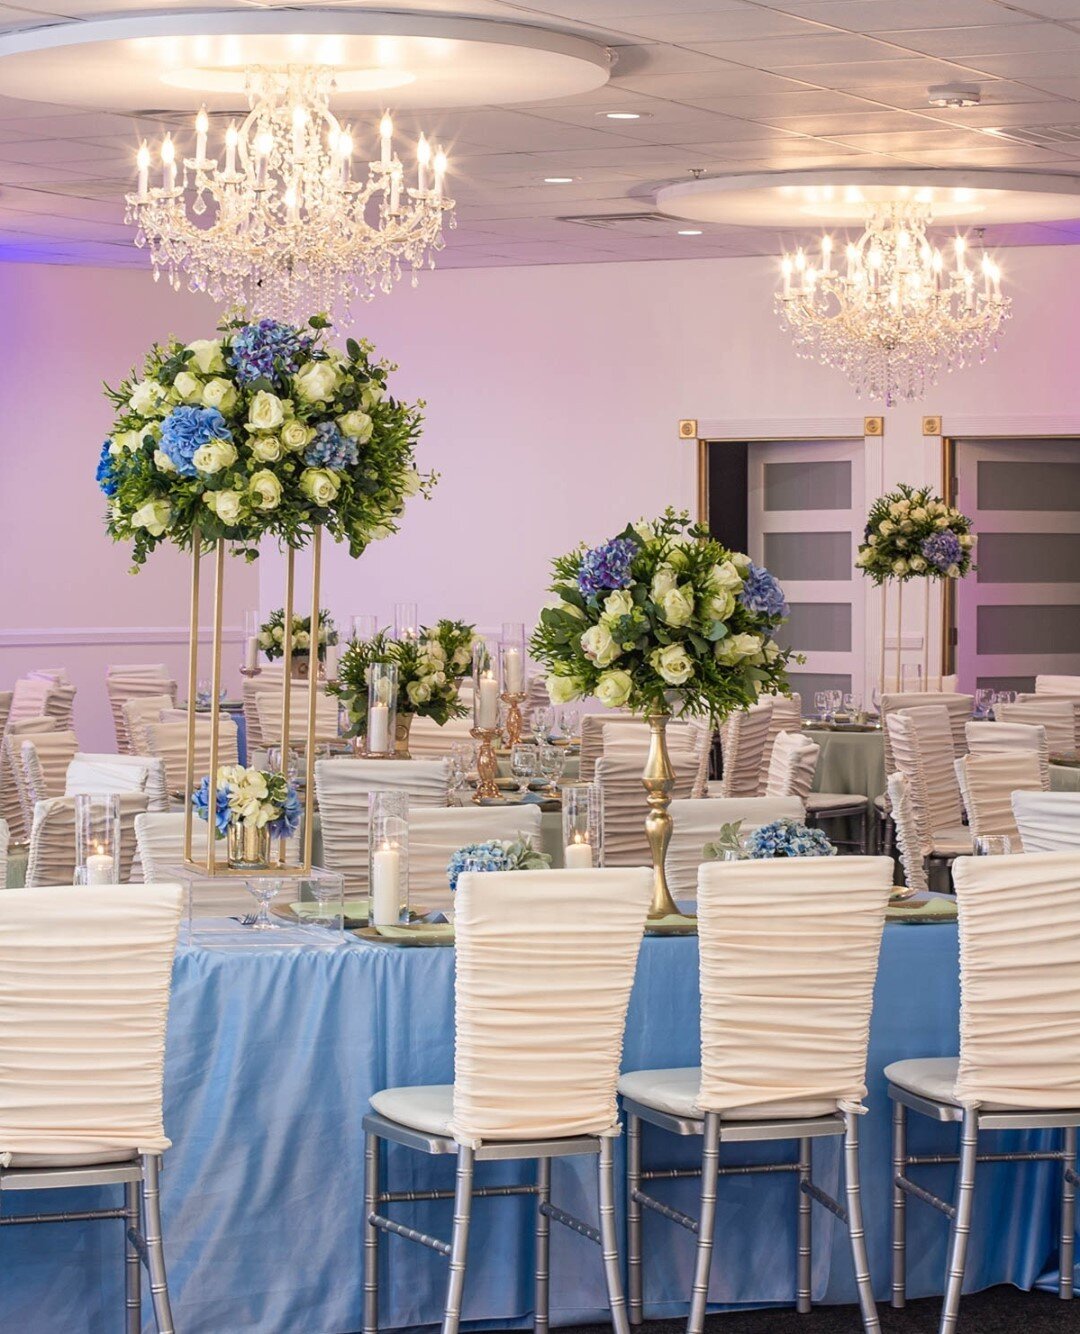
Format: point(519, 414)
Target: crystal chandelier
point(900, 312)
point(286, 226)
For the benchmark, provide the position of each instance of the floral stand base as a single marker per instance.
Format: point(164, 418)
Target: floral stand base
point(675, 924)
point(291, 911)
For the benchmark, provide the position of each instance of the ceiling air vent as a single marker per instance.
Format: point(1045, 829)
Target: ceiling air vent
point(1040, 136)
point(625, 224)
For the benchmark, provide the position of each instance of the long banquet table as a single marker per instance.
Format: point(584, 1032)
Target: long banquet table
point(271, 1058)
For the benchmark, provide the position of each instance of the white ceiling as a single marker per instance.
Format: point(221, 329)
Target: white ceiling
point(727, 86)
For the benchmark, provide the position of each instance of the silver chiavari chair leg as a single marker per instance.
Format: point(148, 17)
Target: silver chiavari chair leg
point(804, 1235)
point(459, 1241)
point(853, 1190)
point(633, 1218)
point(609, 1237)
point(1068, 1216)
point(710, 1162)
point(132, 1263)
point(899, 1207)
point(371, 1234)
point(155, 1252)
point(961, 1224)
point(543, 1247)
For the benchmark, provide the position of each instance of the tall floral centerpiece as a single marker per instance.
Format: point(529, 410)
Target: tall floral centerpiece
point(662, 620)
point(272, 638)
point(266, 431)
point(911, 533)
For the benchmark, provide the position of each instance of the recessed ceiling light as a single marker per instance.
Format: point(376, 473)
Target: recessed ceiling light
point(624, 115)
point(558, 180)
point(689, 231)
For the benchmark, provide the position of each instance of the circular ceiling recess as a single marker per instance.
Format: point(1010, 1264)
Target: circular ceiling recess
point(842, 198)
point(182, 60)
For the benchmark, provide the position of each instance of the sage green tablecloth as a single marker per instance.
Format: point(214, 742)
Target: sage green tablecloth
point(849, 762)
point(1064, 778)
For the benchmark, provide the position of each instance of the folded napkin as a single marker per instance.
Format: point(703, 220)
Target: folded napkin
point(928, 908)
point(418, 931)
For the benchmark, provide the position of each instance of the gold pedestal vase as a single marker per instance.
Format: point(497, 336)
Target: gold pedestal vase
point(401, 736)
point(487, 764)
point(514, 726)
point(658, 780)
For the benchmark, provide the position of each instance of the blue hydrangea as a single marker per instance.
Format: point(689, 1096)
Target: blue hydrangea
point(607, 566)
point(942, 550)
point(185, 429)
point(788, 838)
point(268, 350)
point(104, 474)
point(331, 449)
point(200, 801)
point(492, 856)
point(288, 821)
point(761, 593)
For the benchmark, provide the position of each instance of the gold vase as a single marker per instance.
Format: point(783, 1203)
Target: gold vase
point(658, 780)
point(401, 736)
point(248, 847)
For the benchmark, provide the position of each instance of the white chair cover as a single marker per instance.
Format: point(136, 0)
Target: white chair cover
point(688, 743)
point(908, 843)
point(167, 742)
point(429, 741)
point(84, 1061)
point(742, 743)
point(268, 705)
point(5, 708)
point(136, 669)
point(45, 758)
point(922, 748)
point(1057, 685)
point(958, 708)
point(540, 1011)
point(1019, 980)
point(30, 699)
point(792, 766)
point(3, 853)
point(138, 712)
point(986, 738)
point(592, 737)
point(269, 680)
point(102, 774)
point(436, 833)
point(51, 859)
point(789, 951)
point(786, 717)
point(160, 841)
point(987, 783)
point(61, 703)
point(1057, 716)
point(624, 805)
point(697, 822)
point(1048, 821)
point(14, 806)
point(342, 787)
point(138, 682)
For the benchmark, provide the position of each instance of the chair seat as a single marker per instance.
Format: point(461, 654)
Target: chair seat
point(73, 1159)
point(933, 1077)
point(427, 1107)
point(676, 1092)
point(839, 803)
point(954, 841)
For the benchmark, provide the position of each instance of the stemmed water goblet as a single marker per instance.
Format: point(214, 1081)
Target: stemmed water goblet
point(551, 762)
point(265, 889)
point(821, 705)
point(984, 702)
point(523, 759)
point(568, 723)
point(836, 700)
point(541, 721)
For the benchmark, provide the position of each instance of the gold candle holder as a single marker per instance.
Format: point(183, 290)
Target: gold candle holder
point(513, 702)
point(487, 764)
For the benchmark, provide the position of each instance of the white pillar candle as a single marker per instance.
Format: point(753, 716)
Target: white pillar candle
point(378, 736)
point(251, 653)
point(385, 893)
point(331, 661)
point(577, 855)
point(100, 868)
point(487, 714)
point(513, 675)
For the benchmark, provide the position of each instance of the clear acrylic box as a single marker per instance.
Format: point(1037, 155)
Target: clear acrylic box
point(223, 910)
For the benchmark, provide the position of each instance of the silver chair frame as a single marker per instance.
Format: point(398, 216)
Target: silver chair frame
point(959, 1212)
point(714, 1130)
point(378, 1128)
point(142, 1243)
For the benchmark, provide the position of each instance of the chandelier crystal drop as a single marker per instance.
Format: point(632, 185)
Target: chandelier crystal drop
point(283, 224)
point(901, 309)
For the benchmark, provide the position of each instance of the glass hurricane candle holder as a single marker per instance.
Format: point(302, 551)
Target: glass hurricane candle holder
point(406, 622)
point(580, 826)
point(97, 838)
point(364, 625)
point(382, 678)
point(388, 858)
point(485, 727)
point(250, 666)
point(512, 678)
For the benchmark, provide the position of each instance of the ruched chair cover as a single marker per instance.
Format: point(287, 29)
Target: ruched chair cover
point(30, 699)
point(5, 708)
point(84, 1061)
point(987, 783)
point(135, 681)
point(792, 766)
point(13, 795)
point(1048, 821)
point(159, 838)
point(429, 741)
point(167, 742)
point(789, 952)
point(51, 858)
point(697, 822)
point(1019, 980)
point(3, 853)
point(908, 843)
point(592, 736)
point(137, 713)
point(268, 705)
point(688, 742)
point(45, 759)
point(743, 735)
point(436, 833)
point(988, 738)
point(623, 803)
point(103, 774)
point(342, 787)
point(540, 1011)
point(1049, 684)
point(268, 681)
point(1057, 716)
point(60, 704)
point(957, 706)
point(786, 716)
point(922, 749)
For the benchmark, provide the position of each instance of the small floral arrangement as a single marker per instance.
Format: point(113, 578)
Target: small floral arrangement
point(265, 431)
point(252, 797)
point(728, 840)
point(272, 634)
point(430, 670)
point(662, 616)
point(496, 855)
point(788, 838)
point(912, 534)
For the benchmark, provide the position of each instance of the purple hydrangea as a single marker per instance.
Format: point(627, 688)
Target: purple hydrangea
point(104, 474)
point(942, 550)
point(761, 593)
point(268, 350)
point(606, 566)
point(185, 429)
point(331, 449)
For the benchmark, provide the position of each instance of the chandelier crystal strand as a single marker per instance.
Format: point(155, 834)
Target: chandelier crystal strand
point(900, 310)
point(286, 224)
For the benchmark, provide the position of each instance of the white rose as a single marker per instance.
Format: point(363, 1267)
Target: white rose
point(966, 541)
point(320, 485)
point(206, 355)
point(188, 386)
point(885, 528)
point(942, 521)
point(155, 516)
point(918, 564)
point(864, 557)
point(295, 436)
point(162, 462)
point(736, 647)
point(726, 576)
point(663, 581)
point(265, 638)
point(316, 382)
point(227, 505)
point(265, 490)
point(562, 689)
point(673, 664)
point(613, 689)
point(599, 646)
point(899, 567)
point(419, 692)
point(410, 482)
point(125, 442)
point(618, 604)
point(214, 455)
point(266, 448)
point(302, 640)
point(146, 397)
point(919, 514)
point(356, 424)
point(953, 572)
point(718, 606)
point(220, 394)
point(677, 605)
point(266, 412)
point(279, 633)
point(370, 395)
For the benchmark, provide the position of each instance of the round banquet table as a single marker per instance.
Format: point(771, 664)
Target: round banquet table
point(849, 762)
point(271, 1058)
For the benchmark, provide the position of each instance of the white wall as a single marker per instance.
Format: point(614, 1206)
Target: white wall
point(552, 394)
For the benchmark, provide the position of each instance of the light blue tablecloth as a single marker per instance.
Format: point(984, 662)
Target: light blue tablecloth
point(271, 1060)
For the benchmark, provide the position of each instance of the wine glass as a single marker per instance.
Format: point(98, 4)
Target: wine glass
point(836, 700)
point(552, 762)
point(984, 702)
point(291, 768)
point(821, 704)
point(568, 722)
point(1005, 697)
point(204, 693)
point(541, 720)
point(265, 889)
point(523, 766)
point(461, 762)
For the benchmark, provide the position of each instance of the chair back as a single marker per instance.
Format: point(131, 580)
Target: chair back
point(699, 821)
point(140, 711)
point(3, 853)
point(592, 736)
point(159, 837)
point(623, 803)
point(436, 833)
point(908, 843)
point(45, 760)
point(60, 703)
point(988, 738)
point(51, 859)
point(84, 1061)
point(1019, 980)
point(15, 806)
point(957, 706)
point(104, 774)
point(540, 1011)
point(269, 680)
point(342, 787)
point(136, 682)
point(1058, 685)
point(742, 744)
point(922, 749)
point(789, 952)
point(30, 699)
point(430, 741)
point(792, 767)
point(5, 708)
point(268, 705)
point(1047, 821)
point(689, 744)
point(987, 783)
point(167, 742)
point(786, 717)
point(1057, 716)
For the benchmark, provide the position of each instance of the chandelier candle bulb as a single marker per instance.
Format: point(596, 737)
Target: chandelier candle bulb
point(264, 143)
point(345, 148)
point(231, 137)
point(440, 172)
point(386, 135)
point(202, 127)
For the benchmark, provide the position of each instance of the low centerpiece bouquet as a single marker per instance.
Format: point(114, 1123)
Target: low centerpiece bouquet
point(272, 635)
point(913, 534)
point(267, 430)
point(430, 666)
point(781, 838)
point(252, 807)
point(496, 855)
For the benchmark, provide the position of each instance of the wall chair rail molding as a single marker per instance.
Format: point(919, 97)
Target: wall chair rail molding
point(91, 635)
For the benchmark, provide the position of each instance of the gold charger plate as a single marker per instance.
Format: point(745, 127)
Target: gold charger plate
point(416, 935)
